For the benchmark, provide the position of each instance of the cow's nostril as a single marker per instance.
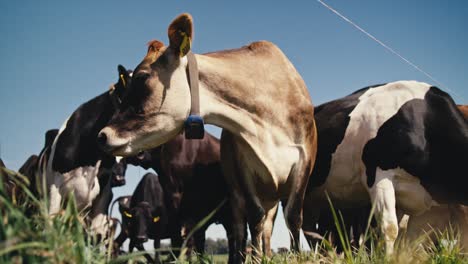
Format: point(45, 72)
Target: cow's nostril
point(102, 139)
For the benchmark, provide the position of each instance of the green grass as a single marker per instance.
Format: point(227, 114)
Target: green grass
point(40, 238)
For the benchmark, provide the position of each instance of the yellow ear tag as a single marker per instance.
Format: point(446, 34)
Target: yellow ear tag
point(123, 80)
point(127, 214)
point(185, 45)
point(156, 219)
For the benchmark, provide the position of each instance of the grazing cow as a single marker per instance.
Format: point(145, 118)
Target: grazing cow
point(118, 172)
point(146, 216)
point(255, 94)
point(439, 219)
point(191, 177)
point(73, 162)
point(402, 144)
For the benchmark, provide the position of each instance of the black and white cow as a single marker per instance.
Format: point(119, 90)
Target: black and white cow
point(75, 164)
point(399, 145)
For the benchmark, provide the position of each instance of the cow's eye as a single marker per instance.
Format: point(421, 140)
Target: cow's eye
point(156, 219)
point(127, 214)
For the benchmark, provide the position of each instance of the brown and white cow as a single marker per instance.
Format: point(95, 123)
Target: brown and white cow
point(255, 94)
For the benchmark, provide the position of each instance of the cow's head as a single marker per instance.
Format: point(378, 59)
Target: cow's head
point(142, 220)
point(118, 172)
point(158, 101)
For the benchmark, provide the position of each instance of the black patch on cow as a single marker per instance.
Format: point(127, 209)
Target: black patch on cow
point(428, 139)
point(332, 119)
point(50, 136)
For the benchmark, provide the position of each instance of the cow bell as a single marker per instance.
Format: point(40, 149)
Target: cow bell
point(194, 127)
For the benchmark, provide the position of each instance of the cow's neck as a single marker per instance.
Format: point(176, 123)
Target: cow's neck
point(219, 105)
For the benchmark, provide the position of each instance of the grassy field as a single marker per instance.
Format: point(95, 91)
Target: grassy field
point(27, 237)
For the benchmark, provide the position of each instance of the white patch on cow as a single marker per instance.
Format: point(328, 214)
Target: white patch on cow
point(118, 159)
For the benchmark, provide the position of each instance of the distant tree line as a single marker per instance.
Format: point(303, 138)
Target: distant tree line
point(216, 247)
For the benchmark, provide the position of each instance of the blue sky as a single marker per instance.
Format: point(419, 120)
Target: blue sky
point(57, 55)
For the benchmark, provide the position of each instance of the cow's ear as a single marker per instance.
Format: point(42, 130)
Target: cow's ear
point(121, 69)
point(181, 34)
point(127, 214)
point(123, 76)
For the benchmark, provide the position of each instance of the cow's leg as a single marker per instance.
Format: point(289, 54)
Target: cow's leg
point(238, 234)
point(199, 238)
point(382, 195)
point(293, 211)
point(131, 245)
point(176, 243)
point(157, 246)
point(256, 231)
point(311, 218)
point(119, 241)
point(239, 230)
point(268, 230)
